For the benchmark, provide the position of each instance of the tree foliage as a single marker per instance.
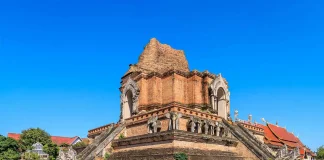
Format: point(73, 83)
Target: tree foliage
point(320, 153)
point(51, 149)
point(180, 156)
point(80, 145)
point(9, 149)
point(32, 136)
point(31, 156)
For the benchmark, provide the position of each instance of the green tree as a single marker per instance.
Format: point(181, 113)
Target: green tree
point(31, 156)
point(9, 149)
point(180, 156)
point(79, 145)
point(51, 149)
point(32, 136)
point(320, 153)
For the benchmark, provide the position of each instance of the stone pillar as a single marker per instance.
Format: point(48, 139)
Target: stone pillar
point(212, 100)
point(221, 105)
point(217, 131)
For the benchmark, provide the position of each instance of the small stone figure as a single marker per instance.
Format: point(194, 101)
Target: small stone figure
point(191, 124)
point(206, 126)
point(212, 127)
point(226, 132)
point(229, 118)
point(250, 118)
point(153, 124)
point(217, 129)
point(174, 120)
point(199, 123)
point(236, 115)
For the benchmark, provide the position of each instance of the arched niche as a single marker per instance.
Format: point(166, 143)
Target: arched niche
point(129, 99)
point(219, 96)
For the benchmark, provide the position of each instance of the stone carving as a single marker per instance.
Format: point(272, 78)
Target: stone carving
point(69, 154)
point(199, 124)
point(250, 118)
point(212, 127)
point(236, 113)
point(220, 96)
point(130, 86)
point(284, 153)
point(206, 126)
point(191, 124)
point(174, 120)
point(229, 118)
point(226, 132)
point(153, 124)
point(217, 128)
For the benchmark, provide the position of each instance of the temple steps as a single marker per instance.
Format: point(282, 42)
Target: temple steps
point(100, 142)
point(249, 141)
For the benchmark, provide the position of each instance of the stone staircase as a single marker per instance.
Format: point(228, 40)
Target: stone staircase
point(256, 140)
point(243, 135)
point(100, 142)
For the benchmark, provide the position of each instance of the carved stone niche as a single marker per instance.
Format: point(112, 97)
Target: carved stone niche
point(219, 96)
point(173, 120)
point(153, 125)
point(194, 124)
point(191, 124)
point(129, 99)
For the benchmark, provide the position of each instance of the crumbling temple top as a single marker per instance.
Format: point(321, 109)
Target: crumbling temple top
point(160, 58)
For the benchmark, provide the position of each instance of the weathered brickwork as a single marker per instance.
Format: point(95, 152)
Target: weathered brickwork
point(161, 58)
point(157, 91)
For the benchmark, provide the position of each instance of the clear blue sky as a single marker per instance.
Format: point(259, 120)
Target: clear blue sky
point(61, 60)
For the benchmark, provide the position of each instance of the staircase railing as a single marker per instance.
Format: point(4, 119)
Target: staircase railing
point(256, 140)
point(246, 140)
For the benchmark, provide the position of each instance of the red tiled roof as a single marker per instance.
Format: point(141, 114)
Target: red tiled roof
point(60, 140)
point(55, 139)
point(278, 136)
point(266, 141)
point(269, 135)
point(282, 133)
point(14, 136)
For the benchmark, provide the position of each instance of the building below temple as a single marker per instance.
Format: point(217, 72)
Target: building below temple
point(166, 110)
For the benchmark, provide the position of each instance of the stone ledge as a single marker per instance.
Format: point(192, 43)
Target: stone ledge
point(174, 135)
point(167, 154)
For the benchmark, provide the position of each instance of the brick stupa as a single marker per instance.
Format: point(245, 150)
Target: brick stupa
point(166, 109)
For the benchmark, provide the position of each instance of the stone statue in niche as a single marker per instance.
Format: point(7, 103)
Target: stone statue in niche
point(212, 127)
point(199, 123)
point(174, 120)
point(218, 128)
point(153, 124)
point(226, 132)
point(191, 124)
point(206, 126)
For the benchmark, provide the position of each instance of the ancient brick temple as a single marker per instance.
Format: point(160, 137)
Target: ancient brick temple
point(167, 109)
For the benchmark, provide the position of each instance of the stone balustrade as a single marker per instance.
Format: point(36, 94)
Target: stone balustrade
point(187, 112)
point(97, 131)
point(251, 126)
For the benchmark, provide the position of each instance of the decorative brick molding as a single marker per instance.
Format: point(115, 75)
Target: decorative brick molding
point(174, 135)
